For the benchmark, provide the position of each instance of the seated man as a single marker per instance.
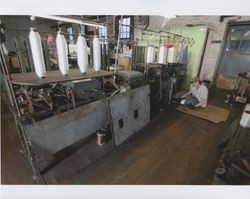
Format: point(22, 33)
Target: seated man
point(197, 95)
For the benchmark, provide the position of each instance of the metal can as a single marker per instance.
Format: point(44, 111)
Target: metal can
point(100, 137)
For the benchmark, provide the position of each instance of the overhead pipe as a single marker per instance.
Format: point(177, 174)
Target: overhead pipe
point(154, 30)
point(71, 20)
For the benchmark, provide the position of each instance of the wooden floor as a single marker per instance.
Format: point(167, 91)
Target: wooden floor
point(175, 148)
point(15, 168)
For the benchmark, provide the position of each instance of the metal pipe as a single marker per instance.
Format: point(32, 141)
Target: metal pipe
point(82, 22)
point(107, 40)
point(159, 35)
point(153, 30)
point(111, 123)
point(241, 170)
point(71, 20)
point(32, 161)
point(117, 47)
point(20, 130)
point(19, 29)
point(8, 78)
point(53, 32)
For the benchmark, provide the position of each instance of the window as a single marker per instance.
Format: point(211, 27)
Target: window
point(124, 28)
point(245, 43)
point(70, 33)
point(234, 44)
point(103, 34)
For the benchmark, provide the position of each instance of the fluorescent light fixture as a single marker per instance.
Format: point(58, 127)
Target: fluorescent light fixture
point(70, 20)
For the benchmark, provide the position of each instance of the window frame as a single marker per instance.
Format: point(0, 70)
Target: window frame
point(125, 31)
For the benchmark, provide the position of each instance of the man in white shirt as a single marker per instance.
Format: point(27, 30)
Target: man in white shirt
point(197, 95)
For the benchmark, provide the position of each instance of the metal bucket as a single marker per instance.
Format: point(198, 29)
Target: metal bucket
point(101, 137)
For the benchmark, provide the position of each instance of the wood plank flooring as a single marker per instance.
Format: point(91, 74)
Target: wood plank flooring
point(15, 168)
point(180, 152)
point(175, 148)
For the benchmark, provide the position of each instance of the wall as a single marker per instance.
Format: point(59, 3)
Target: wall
point(19, 27)
point(213, 24)
point(217, 29)
point(195, 50)
point(155, 23)
point(198, 33)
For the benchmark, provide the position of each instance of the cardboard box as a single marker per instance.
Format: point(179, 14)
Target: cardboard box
point(119, 68)
point(226, 82)
point(127, 52)
point(124, 61)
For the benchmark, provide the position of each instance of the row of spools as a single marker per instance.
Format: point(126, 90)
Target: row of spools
point(62, 53)
point(165, 55)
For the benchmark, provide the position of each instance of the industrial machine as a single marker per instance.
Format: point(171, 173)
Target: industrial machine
point(164, 80)
point(132, 78)
point(55, 109)
point(234, 163)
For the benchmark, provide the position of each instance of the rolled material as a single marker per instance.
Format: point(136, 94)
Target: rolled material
point(245, 118)
point(82, 54)
point(172, 55)
point(96, 54)
point(37, 53)
point(162, 56)
point(150, 55)
point(62, 53)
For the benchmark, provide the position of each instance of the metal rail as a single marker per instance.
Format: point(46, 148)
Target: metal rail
point(21, 133)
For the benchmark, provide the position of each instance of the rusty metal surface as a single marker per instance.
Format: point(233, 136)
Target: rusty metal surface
point(60, 131)
point(123, 107)
point(56, 77)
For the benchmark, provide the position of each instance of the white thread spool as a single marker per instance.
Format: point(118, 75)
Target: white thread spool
point(150, 55)
point(171, 55)
point(162, 56)
point(82, 54)
point(37, 53)
point(245, 118)
point(62, 53)
point(96, 54)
